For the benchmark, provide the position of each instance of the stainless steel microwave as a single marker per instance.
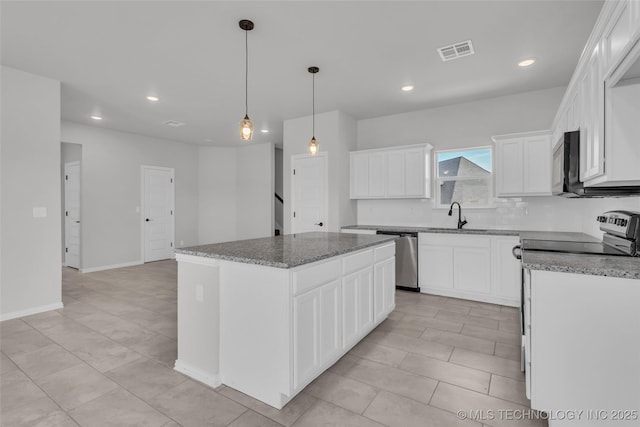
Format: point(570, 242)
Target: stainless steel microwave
point(565, 175)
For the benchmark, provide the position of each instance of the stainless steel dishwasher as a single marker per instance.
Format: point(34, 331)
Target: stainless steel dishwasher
point(406, 260)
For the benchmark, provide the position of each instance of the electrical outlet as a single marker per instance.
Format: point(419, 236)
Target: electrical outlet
point(199, 293)
point(39, 212)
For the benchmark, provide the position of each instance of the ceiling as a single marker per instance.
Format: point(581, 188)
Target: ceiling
point(109, 55)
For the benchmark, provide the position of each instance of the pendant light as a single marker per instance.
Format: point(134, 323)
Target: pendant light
point(246, 127)
point(313, 144)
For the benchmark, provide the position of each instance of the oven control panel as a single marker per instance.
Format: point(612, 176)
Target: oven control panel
point(621, 223)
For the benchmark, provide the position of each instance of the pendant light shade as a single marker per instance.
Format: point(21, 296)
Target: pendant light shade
point(246, 127)
point(313, 144)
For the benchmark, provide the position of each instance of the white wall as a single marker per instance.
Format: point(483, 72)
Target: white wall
point(471, 125)
point(336, 135)
point(255, 187)
point(217, 196)
point(30, 175)
point(111, 191)
point(236, 193)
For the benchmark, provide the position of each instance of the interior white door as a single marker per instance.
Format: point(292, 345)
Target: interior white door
point(72, 214)
point(309, 189)
point(158, 224)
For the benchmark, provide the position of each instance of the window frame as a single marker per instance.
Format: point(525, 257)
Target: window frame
point(438, 179)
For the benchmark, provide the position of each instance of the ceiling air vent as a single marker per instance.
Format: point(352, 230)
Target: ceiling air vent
point(173, 123)
point(456, 50)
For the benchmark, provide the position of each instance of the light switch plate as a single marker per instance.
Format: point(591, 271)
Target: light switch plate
point(39, 212)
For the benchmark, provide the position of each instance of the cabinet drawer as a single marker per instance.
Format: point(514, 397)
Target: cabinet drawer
point(317, 275)
point(357, 261)
point(384, 252)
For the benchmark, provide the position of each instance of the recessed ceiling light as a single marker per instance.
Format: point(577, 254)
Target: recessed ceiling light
point(96, 117)
point(153, 98)
point(407, 88)
point(526, 62)
point(264, 130)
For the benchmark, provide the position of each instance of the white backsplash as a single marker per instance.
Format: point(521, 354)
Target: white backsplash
point(526, 213)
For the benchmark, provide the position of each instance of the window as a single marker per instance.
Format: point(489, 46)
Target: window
point(464, 176)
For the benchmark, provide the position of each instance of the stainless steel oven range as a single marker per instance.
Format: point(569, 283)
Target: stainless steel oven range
point(621, 238)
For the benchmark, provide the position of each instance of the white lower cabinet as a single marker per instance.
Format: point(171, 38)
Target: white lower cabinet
point(435, 265)
point(330, 319)
point(306, 330)
point(357, 310)
point(472, 267)
point(477, 267)
point(383, 295)
point(316, 329)
point(505, 269)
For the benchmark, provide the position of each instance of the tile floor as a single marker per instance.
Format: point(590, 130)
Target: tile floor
point(106, 358)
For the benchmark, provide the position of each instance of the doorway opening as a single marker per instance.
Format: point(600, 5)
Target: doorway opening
point(71, 184)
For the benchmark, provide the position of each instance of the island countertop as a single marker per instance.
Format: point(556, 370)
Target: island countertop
point(289, 250)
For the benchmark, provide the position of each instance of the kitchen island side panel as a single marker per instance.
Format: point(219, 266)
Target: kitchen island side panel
point(255, 320)
point(199, 319)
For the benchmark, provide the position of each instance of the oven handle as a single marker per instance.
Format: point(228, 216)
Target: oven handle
point(517, 252)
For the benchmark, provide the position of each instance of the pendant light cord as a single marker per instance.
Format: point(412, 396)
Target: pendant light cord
point(313, 108)
point(246, 73)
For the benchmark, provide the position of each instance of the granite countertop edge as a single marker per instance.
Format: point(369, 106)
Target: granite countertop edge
point(626, 267)
point(411, 229)
point(523, 234)
point(284, 265)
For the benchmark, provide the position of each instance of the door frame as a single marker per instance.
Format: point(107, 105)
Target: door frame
point(295, 157)
point(144, 168)
point(64, 208)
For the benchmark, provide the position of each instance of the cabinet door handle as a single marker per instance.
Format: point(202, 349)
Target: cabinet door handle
point(147, 220)
point(320, 224)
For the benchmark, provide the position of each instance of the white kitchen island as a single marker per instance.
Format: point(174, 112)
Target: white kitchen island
point(267, 316)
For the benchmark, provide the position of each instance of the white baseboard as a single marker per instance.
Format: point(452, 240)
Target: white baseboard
point(110, 267)
point(30, 311)
point(212, 380)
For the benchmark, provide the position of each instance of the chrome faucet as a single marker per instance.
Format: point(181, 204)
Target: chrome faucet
point(461, 222)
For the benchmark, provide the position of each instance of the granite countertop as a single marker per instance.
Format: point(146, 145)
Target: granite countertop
point(596, 265)
point(289, 250)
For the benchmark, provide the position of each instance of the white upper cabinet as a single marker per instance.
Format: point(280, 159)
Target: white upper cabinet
point(634, 17)
point(591, 133)
point(399, 172)
point(377, 165)
point(603, 99)
point(523, 164)
point(617, 35)
point(359, 168)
